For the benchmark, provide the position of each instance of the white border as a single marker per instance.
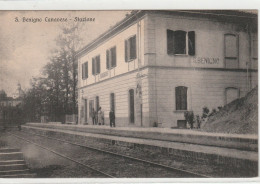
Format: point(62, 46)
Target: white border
point(128, 5)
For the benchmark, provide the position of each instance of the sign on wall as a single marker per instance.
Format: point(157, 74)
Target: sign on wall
point(205, 61)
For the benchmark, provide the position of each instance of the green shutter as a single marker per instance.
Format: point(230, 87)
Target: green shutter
point(93, 66)
point(178, 98)
point(184, 98)
point(191, 42)
point(126, 51)
point(133, 47)
point(86, 69)
point(107, 59)
point(83, 73)
point(98, 64)
point(113, 57)
point(170, 42)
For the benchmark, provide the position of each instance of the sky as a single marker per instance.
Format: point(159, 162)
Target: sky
point(26, 46)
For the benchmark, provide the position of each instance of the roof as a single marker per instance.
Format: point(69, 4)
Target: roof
point(238, 16)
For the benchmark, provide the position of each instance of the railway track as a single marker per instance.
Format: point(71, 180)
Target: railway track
point(116, 158)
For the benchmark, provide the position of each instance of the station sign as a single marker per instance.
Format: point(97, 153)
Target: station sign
point(206, 61)
point(103, 75)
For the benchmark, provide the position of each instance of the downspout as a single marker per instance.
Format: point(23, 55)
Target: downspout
point(248, 64)
point(139, 79)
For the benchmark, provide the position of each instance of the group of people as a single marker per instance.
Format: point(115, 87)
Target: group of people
point(98, 117)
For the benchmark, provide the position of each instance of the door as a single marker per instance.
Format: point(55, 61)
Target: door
point(91, 106)
point(86, 111)
point(112, 102)
point(131, 106)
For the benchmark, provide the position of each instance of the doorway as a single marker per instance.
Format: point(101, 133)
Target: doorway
point(131, 106)
point(86, 111)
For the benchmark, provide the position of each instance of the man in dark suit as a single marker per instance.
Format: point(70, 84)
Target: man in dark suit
point(112, 118)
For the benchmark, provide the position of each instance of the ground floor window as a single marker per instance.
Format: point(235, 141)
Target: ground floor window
point(181, 97)
point(112, 102)
point(131, 106)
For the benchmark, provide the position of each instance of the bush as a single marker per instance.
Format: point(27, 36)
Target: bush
point(205, 112)
point(189, 117)
point(213, 112)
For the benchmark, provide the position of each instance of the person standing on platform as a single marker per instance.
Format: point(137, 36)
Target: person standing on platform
point(112, 118)
point(93, 116)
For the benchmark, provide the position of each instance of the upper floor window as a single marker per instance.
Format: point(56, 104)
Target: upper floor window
point(231, 50)
point(181, 97)
point(111, 58)
point(130, 49)
point(96, 65)
point(180, 42)
point(85, 70)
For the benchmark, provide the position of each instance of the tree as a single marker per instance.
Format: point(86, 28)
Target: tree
point(3, 95)
point(68, 42)
point(56, 94)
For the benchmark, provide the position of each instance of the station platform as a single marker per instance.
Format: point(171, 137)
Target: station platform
point(238, 150)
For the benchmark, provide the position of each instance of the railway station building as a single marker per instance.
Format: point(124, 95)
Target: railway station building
point(154, 65)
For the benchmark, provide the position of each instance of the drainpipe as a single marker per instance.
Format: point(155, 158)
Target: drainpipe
point(139, 65)
point(248, 64)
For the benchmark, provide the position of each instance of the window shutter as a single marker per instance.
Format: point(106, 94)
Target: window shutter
point(107, 59)
point(126, 51)
point(83, 73)
point(183, 98)
point(98, 64)
point(191, 42)
point(178, 98)
point(86, 69)
point(93, 66)
point(133, 47)
point(170, 42)
point(113, 57)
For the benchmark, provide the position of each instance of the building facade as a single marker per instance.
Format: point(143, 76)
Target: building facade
point(13, 101)
point(154, 65)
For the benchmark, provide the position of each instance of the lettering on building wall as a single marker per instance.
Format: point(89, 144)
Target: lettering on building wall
point(205, 60)
point(103, 75)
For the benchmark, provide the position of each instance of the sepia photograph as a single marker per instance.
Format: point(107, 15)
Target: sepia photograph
point(129, 93)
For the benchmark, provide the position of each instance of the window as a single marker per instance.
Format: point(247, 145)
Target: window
point(97, 103)
point(86, 110)
point(111, 58)
point(112, 102)
point(91, 106)
point(231, 94)
point(130, 49)
point(181, 97)
point(96, 65)
point(85, 70)
point(180, 42)
point(231, 50)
